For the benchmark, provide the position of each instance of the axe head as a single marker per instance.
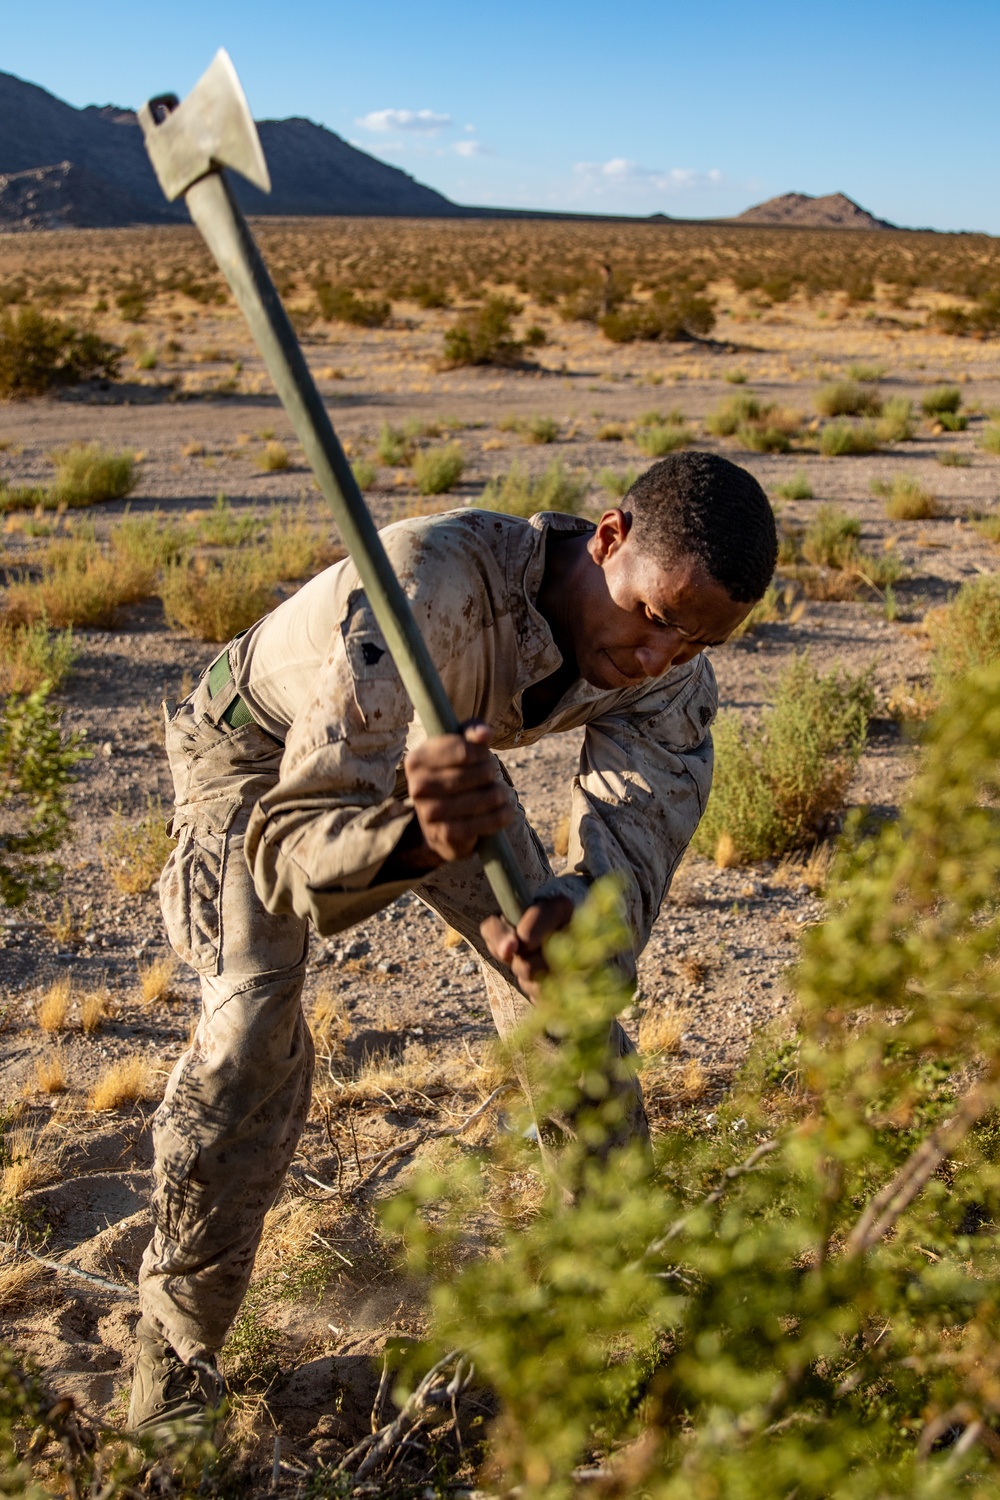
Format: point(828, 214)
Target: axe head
point(211, 129)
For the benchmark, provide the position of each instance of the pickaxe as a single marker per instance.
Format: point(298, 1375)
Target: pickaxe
point(189, 145)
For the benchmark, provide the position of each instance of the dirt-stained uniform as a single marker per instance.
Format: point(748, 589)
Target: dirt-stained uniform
point(287, 819)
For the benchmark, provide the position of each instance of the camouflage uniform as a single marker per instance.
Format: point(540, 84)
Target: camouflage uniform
point(286, 818)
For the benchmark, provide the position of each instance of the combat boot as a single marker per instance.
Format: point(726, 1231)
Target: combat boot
point(167, 1394)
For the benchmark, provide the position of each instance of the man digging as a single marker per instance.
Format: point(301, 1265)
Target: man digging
point(307, 793)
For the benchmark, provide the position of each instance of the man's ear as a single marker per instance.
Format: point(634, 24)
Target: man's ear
point(611, 531)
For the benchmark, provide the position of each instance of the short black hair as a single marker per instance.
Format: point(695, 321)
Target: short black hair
point(700, 505)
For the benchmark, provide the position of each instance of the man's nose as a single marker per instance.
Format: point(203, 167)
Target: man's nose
point(656, 656)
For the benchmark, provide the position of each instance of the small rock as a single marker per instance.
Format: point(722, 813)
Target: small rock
point(467, 968)
point(107, 749)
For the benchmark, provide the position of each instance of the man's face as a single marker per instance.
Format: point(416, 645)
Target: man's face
point(640, 618)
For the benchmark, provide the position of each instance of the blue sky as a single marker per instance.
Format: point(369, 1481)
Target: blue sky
point(633, 107)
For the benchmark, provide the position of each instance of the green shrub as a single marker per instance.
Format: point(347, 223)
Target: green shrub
point(657, 442)
point(24, 497)
point(37, 353)
point(83, 584)
point(671, 315)
point(989, 438)
point(763, 437)
point(965, 634)
point(438, 470)
point(31, 655)
point(216, 600)
point(517, 493)
point(36, 767)
point(778, 783)
point(365, 472)
point(617, 482)
point(731, 414)
point(796, 488)
point(952, 421)
point(896, 422)
point(293, 547)
point(867, 374)
point(395, 447)
point(906, 499)
point(542, 430)
point(132, 304)
point(845, 398)
point(485, 336)
point(950, 458)
point(831, 538)
point(342, 305)
point(223, 527)
point(989, 527)
point(843, 439)
point(273, 457)
point(735, 377)
point(943, 399)
point(89, 475)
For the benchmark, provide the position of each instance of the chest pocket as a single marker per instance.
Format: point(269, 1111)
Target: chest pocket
point(381, 698)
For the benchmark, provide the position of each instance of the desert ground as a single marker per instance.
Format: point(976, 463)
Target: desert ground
point(404, 1039)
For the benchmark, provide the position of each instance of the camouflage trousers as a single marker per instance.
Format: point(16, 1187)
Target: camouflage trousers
point(237, 1100)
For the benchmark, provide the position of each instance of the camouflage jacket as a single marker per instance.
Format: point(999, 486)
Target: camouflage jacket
point(316, 674)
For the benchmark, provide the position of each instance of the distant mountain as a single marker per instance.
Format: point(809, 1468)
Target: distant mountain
point(834, 211)
point(62, 166)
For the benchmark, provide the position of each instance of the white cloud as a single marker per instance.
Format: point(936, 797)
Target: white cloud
point(622, 175)
point(471, 148)
point(415, 121)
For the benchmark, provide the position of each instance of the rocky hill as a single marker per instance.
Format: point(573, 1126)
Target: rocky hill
point(833, 211)
point(62, 166)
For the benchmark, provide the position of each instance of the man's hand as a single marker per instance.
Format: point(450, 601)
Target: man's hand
point(458, 792)
point(520, 947)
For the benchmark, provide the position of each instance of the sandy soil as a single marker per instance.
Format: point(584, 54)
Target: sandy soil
point(418, 1055)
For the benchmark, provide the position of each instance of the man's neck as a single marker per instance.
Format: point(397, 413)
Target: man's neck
point(565, 560)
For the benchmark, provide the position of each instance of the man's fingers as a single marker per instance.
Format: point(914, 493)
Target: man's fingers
point(541, 920)
point(456, 807)
point(471, 747)
point(500, 938)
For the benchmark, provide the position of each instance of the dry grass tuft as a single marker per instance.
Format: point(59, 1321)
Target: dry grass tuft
point(155, 978)
point(331, 1024)
point(288, 1236)
point(725, 852)
point(52, 1005)
point(124, 1082)
point(560, 838)
point(810, 870)
point(50, 1072)
point(95, 1007)
point(19, 1281)
point(134, 853)
point(31, 1159)
point(694, 1080)
point(660, 1032)
point(695, 968)
point(452, 938)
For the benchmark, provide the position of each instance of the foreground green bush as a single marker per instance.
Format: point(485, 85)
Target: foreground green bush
point(803, 1300)
point(38, 352)
point(778, 783)
point(36, 767)
point(965, 634)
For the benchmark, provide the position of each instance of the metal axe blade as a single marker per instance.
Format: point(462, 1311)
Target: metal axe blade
point(212, 128)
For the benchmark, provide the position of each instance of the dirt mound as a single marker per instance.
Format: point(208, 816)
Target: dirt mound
point(833, 211)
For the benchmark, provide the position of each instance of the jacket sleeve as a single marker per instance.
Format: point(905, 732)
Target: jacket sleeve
point(317, 840)
point(643, 784)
